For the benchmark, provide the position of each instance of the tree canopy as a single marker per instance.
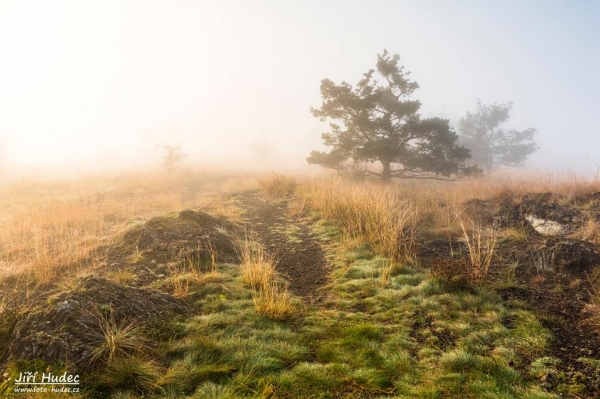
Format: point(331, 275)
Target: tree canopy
point(491, 146)
point(375, 122)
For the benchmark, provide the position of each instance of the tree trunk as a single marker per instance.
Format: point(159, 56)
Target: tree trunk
point(386, 175)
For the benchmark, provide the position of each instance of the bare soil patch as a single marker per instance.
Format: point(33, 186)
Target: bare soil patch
point(67, 327)
point(290, 239)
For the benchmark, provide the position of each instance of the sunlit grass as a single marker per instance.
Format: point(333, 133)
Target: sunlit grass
point(49, 226)
point(373, 213)
point(270, 294)
point(278, 186)
point(117, 340)
point(387, 327)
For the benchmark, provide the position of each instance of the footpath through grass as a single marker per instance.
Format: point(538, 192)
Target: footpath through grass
point(386, 330)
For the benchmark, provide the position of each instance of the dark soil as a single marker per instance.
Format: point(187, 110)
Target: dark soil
point(562, 312)
point(185, 236)
point(67, 327)
point(506, 211)
point(552, 276)
point(290, 239)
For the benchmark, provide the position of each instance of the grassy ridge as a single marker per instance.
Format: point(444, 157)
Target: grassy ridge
point(387, 329)
point(385, 333)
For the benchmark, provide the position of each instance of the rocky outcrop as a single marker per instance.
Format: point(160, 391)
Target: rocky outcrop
point(570, 255)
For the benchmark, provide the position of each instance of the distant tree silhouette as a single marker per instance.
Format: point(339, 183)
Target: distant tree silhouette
point(491, 146)
point(172, 157)
point(373, 123)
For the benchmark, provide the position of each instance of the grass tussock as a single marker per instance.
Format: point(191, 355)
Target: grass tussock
point(131, 375)
point(270, 294)
point(590, 230)
point(275, 301)
point(117, 340)
point(257, 266)
point(481, 243)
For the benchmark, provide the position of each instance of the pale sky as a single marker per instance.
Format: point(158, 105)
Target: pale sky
point(108, 81)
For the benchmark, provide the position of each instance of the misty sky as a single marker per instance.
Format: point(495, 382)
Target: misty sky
point(108, 81)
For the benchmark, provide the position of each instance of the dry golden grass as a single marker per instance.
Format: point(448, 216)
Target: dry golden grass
point(48, 227)
point(278, 186)
point(257, 267)
point(122, 276)
point(271, 296)
point(386, 272)
point(515, 233)
point(117, 340)
point(481, 242)
point(274, 301)
point(568, 184)
point(590, 230)
point(368, 211)
point(393, 218)
point(296, 207)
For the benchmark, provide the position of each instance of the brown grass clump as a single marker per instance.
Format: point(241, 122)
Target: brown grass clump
point(481, 242)
point(590, 230)
point(274, 301)
point(270, 295)
point(117, 340)
point(257, 266)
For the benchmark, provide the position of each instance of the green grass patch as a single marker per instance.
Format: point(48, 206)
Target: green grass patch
point(386, 330)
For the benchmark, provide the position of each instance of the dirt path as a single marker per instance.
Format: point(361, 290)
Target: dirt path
point(289, 238)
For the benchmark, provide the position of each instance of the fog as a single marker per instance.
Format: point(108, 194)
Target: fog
point(103, 84)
